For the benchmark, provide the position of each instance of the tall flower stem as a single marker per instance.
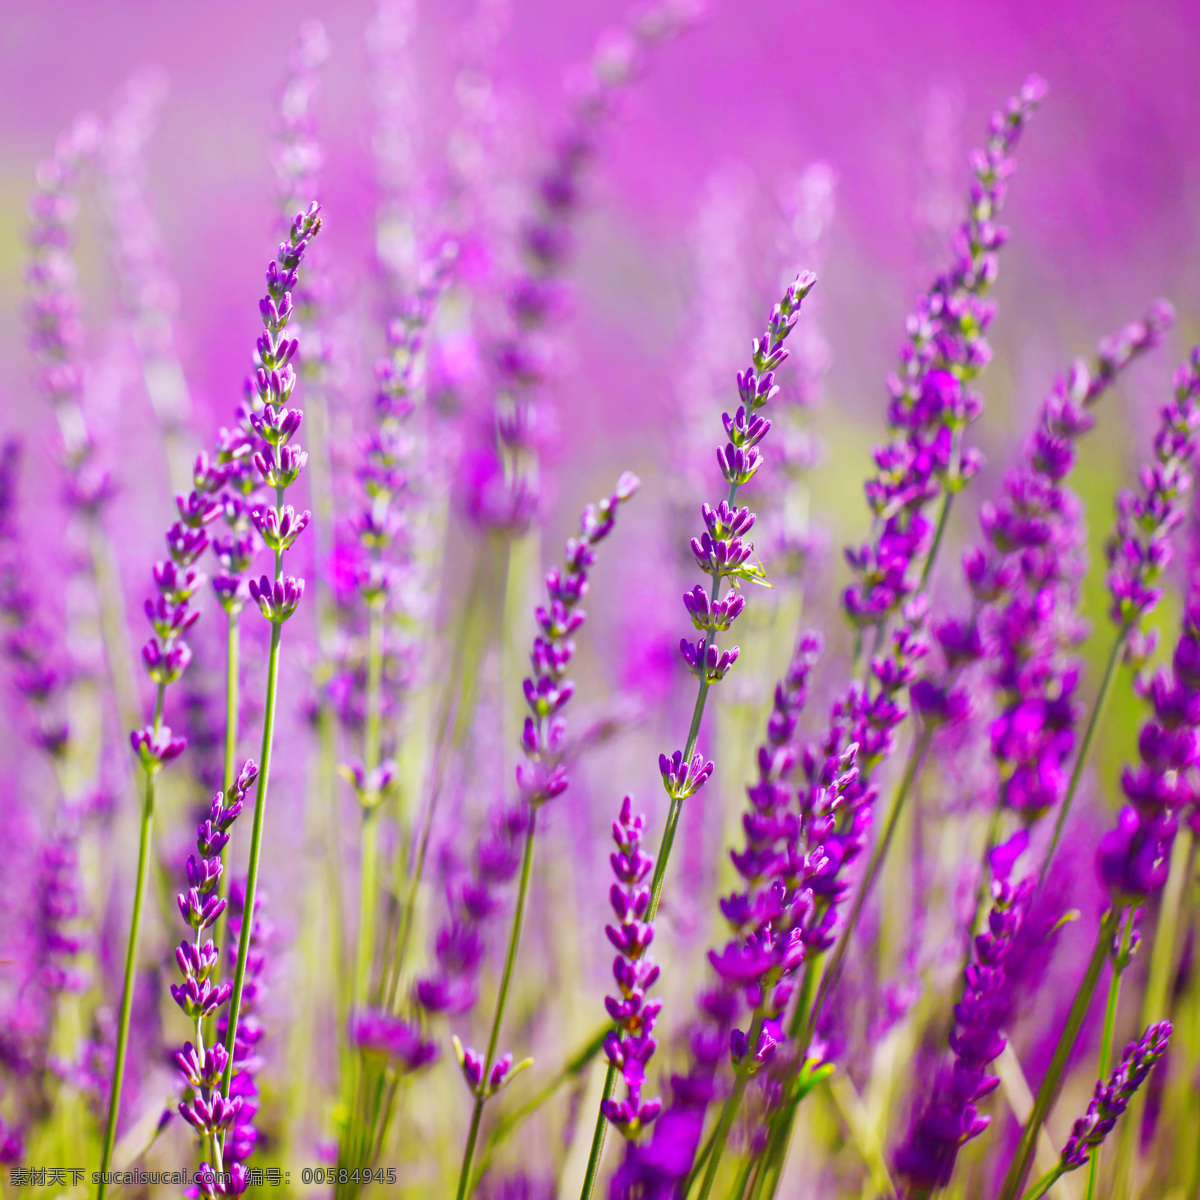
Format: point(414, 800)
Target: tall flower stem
point(729, 1111)
point(657, 882)
point(833, 970)
point(1155, 997)
point(1119, 963)
point(510, 961)
point(260, 808)
point(1046, 1094)
point(233, 643)
point(369, 866)
point(131, 951)
point(453, 721)
point(1085, 747)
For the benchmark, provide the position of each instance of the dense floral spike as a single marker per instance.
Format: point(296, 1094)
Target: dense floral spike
point(1112, 1096)
point(1140, 547)
point(1133, 858)
point(267, 427)
point(1026, 580)
point(202, 994)
point(242, 1136)
point(951, 1118)
point(631, 1044)
point(931, 402)
point(502, 489)
point(769, 917)
point(400, 1041)
point(453, 987)
point(792, 540)
point(53, 312)
point(543, 774)
point(148, 292)
point(39, 674)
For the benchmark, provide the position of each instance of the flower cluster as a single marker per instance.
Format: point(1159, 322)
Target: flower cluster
point(1025, 582)
point(1140, 547)
point(459, 946)
point(542, 775)
point(1132, 859)
point(59, 907)
point(951, 1118)
point(376, 1031)
point(503, 487)
point(148, 293)
point(28, 644)
point(242, 1135)
point(166, 655)
point(632, 1043)
point(770, 914)
point(55, 330)
point(295, 152)
point(278, 462)
point(723, 551)
point(838, 805)
point(931, 404)
point(1112, 1097)
point(201, 994)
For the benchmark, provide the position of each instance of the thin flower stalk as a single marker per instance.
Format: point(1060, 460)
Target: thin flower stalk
point(723, 553)
point(1140, 549)
point(931, 406)
point(56, 337)
point(1109, 1102)
point(542, 776)
point(1025, 580)
point(147, 291)
point(202, 993)
point(278, 463)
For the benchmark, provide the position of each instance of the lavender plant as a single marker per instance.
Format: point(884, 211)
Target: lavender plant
point(879, 994)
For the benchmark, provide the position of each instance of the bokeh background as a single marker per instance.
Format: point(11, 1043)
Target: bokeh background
point(1104, 213)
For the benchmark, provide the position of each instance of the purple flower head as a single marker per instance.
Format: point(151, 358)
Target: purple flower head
point(631, 1043)
point(1140, 546)
point(542, 776)
point(951, 1117)
point(1112, 1096)
point(931, 401)
point(380, 1032)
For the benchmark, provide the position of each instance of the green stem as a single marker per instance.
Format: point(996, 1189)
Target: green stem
point(1046, 1094)
point(938, 534)
point(233, 642)
point(1155, 998)
point(1106, 1041)
point(833, 970)
point(131, 949)
point(1085, 747)
point(458, 701)
point(260, 807)
point(369, 866)
point(1046, 1182)
point(596, 1152)
point(510, 961)
point(729, 1111)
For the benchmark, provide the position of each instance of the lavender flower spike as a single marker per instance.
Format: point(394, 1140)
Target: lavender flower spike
point(208, 1109)
point(630, 1046)
point(278, 463)
point(1111, 1098)
point(1109, 1101)
point(952, 1118)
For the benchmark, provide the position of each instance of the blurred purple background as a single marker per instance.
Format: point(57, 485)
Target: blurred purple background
point(1104, 211)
